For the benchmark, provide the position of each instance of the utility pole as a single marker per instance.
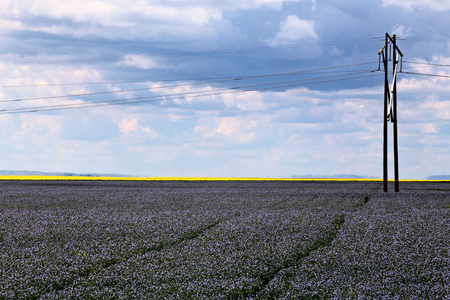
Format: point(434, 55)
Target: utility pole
point(390, 51)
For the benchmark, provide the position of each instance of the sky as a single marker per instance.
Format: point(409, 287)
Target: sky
point(248, 88)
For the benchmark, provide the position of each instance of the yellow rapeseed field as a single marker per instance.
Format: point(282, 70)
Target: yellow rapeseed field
point(94, 178)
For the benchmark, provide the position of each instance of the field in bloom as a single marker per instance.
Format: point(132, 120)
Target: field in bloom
point(223, 240)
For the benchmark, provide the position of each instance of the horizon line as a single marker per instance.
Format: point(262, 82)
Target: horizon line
point(188, 178)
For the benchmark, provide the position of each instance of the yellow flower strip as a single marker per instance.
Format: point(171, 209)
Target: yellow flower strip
point(93, 178)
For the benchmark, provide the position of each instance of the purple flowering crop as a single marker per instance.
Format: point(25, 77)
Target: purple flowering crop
point(223, 240)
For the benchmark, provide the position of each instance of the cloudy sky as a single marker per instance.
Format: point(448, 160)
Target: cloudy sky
point(248, 88)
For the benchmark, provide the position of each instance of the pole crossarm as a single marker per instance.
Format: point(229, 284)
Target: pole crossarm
point(390, 40)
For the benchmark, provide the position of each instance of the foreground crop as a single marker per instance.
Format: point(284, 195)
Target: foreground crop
point(214, 240)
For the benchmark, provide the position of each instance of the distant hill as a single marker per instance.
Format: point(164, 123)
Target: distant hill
point(38, 173)
point(335, 176)
point(439, 177)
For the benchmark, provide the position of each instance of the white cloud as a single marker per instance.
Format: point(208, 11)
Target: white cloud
point(39, 128)
point(439, 5)
point(25, 76)
point(111, 13)
point(249, 101)
point(424, 84)
point(139, 61)
point(436, 110)
point(273, 4)
point(6, 25)
point(401, 31)
point(242, 4)
point(235, 130)
point(294, 30)
point(429, 128)
point(79, 11)
point(115, 19)
point(130, 126)
point(429, 160)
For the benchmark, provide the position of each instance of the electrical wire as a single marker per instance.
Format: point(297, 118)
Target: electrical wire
point(170, 97)
point(425, 63)
point(188, 84)
point(158, 80)
point(111, 82)
point(419, 39)
point(115, 92)
point(196, 53)
point(425, 74)
point(224, 89)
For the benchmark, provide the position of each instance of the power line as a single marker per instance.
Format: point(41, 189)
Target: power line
point(114, 92)
point(425, 74)
point(111, 82)
point(419, 39)
point(193, 53)
point(161, 98)
point(189, 84)
point(211, 52)
point(168, 97)
point(425, 63)
point(248, 87)
point(162, 80)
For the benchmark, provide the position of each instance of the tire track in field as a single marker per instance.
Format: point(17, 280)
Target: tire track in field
point(324, 241)
point(190, 235)
point(107, 262)
point(281, 204)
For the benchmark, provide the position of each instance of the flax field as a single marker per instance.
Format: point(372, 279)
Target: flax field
point(224, 240)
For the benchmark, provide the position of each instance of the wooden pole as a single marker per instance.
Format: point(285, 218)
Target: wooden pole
point(385, 129)
point(390, 105)
point(394, 112)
